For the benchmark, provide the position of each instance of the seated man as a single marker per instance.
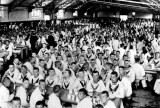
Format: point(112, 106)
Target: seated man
point(105, 100)
point(68, 81)
point(23, 94)
point(13, 74)
point(54, 101)
point(87, 71)
point(36, 77)
point(139, 73)
point(127, 87)
point(81, 81)
point(8, 49)
point(16, 102)
point(24, 73)
point(52, 79)
point(17, 63)
point(85, 100)
point(39, 94)
point(43, 50)
point(115, 89)
point(157, 87)
point(96, 85)
point(5, 96)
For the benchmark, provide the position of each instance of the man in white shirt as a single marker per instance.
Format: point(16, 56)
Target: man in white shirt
point(36, 77)
point(9, 49)
point(58, 69)
point(5, 96)
point(16, 102)
point(127, 87)
point(139, 72)
point(54, 101)
point(29, 66)
point(105, 100)
point(115, 89)
point(23, 94)
point(85, 101)
point(12, 73)
point(38, 94)
point(81, 81)
point(24, 73)
point(122, 51)
point(96, 85)
point(130, 74)
point(115, 43)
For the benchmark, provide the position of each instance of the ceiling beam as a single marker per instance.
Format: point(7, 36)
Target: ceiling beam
point(121, 5)
point(14, 4)
point(33, 2)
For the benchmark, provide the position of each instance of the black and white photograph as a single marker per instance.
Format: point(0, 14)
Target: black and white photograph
point(79, 53)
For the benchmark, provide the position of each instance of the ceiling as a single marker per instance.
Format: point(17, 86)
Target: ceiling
point(152, 6)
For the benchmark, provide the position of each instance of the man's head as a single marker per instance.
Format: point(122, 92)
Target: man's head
point(67, 73)
point(114, 77)
point(25, 83)
point(100, 56)
point(41, 62)
point(58, 65)
point(52, 72)
point(82, 93)
point(112, 56)
point(121, 71)
point(92, 62)
point(16, 60)
point(23, 69)
point(126, 63)
point(104, 97)
point(36, 72)
point(56, 89)
point(95, 76)
point(6, 82)
point(39, 104)
point(81, 74)
point(16, 102)
point(86, 66)
point(11, 67)
point(42, 85)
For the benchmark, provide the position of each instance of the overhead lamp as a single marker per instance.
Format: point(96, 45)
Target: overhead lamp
point(85, 13)
point(133, 13)
point(75, 13)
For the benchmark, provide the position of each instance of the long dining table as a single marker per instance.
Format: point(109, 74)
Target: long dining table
point(23, 51)
point(154, 71)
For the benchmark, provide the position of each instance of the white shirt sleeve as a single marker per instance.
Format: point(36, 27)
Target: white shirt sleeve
point(53, 102)
point(10, 50)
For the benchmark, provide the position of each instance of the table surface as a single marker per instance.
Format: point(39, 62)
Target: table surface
point(64, 97)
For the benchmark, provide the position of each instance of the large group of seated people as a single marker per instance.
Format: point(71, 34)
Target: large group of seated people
point(106, 62)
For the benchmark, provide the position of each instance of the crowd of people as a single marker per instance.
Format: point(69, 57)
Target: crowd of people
point(103, 62)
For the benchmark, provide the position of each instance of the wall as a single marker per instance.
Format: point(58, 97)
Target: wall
point(105, 14)
point(19, 14)
point(144, 15)
point(68, 14)
point(141, 15)
point(64, 14)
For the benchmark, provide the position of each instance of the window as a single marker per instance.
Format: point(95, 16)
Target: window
point(1, 12)
point(36, 13)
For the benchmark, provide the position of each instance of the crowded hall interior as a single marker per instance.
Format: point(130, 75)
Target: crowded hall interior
point(79, 54)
